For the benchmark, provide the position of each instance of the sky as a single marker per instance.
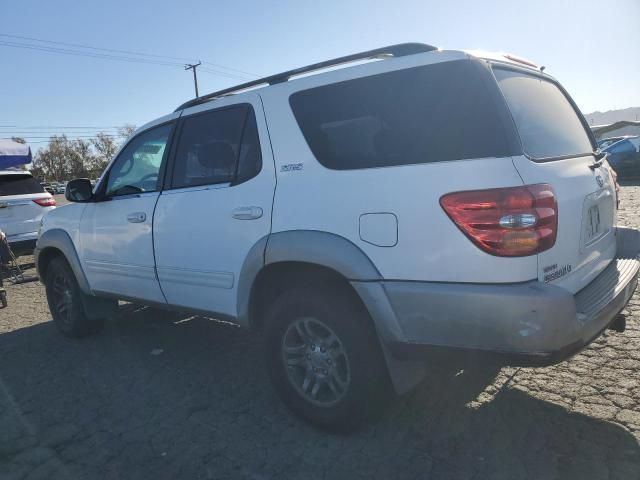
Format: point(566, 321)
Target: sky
point(592, 47)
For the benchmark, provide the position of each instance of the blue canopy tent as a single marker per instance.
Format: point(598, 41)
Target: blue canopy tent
point(13, 154)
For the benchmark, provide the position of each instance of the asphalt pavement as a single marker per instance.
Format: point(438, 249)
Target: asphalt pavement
point(161, 395)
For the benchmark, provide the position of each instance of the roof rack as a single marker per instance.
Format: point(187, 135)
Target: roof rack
point(399, 50)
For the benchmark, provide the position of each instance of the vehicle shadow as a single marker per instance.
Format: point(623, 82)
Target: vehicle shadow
point(164, 395)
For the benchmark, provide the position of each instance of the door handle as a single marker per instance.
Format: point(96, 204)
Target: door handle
point(136, 217)
point(247, 213)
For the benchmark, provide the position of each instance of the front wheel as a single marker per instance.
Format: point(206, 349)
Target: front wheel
point(65, 301)
point(324, 358)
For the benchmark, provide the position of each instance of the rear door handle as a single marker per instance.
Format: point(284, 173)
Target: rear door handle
point(247, 213)
point(136, 217)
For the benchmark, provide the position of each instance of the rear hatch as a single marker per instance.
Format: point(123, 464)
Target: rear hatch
point(558, 151)
point(23, 201)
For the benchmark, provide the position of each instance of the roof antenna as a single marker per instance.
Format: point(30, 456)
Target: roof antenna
point(542, 68)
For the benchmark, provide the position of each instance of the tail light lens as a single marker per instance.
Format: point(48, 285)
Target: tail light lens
point(506, 222)
point(46, 202)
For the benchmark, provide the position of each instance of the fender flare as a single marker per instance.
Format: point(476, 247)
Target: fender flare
point(343, 256)
point(305, 246)
point(60, 240)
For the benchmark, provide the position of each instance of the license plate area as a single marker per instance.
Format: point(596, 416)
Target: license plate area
point(593, 229)
point(598, 218)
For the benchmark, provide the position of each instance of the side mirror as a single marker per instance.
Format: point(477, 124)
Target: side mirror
point(79, 190)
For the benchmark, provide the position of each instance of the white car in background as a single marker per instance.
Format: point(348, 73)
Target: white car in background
point(23, 202)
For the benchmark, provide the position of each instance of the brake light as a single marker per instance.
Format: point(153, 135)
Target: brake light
point(506, 222)
point(46, 202)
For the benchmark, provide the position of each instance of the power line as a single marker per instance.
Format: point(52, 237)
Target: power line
point(57, 126)
point(68, 135)
point(53, 132)
point(156, 60)
point(74, 136)
point(105, 56)
point(130, 52)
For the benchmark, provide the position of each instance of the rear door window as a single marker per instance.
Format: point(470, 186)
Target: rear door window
point(18, 184)
point(219, 146)
point(419, 115)
point(547, 122)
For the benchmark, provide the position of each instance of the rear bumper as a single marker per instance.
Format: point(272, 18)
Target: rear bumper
point(529, 323)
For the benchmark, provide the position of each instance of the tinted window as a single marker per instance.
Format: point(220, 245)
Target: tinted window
point(137, 168)
point(17, 184)
point(211, 149)
point(419, 115)
point(250, 160)
point(547, 123)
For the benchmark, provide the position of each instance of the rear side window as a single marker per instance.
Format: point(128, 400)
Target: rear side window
point(547, 122)
point(426, 114)
point(17, 184)
point(219, 146)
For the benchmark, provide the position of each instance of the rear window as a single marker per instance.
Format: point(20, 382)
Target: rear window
point(16, 184)
point(419, 115)
point(547, 122)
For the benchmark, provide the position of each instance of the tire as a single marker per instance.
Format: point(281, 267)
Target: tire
point(3, 298)
point(328, 331)
point(65, 301)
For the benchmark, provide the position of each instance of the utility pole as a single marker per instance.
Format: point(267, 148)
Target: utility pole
point(195, 76)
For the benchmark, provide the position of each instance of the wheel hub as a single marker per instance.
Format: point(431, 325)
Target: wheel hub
point(319, 359)
point(315, 361)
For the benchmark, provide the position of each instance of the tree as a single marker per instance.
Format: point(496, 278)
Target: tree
point(63, 159)
point(105, 148)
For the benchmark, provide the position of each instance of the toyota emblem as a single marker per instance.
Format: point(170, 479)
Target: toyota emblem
point(599, 180)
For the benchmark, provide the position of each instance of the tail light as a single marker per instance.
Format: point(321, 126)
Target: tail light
point(46, 202)
point(506, 222)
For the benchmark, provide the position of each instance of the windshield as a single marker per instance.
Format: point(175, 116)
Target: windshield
point(548, 125)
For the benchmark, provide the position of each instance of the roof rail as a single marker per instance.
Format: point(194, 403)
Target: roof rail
point(399, 50)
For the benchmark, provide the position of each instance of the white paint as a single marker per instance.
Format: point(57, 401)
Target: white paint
point(379, 229)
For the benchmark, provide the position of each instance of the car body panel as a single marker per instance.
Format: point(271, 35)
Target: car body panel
point(20, 216)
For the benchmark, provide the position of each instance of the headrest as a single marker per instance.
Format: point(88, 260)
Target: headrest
point(217, 155)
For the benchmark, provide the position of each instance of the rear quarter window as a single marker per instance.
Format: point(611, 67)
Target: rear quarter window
point(426, 114)
point(16, 184)
point(548, 124)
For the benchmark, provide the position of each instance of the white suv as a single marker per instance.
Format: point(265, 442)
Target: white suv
point(23, 202)
point(363, 219)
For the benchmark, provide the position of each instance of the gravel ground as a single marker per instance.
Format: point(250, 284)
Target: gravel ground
point(161, 395)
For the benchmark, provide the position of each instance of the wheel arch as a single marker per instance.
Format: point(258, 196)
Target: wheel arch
point(57, 242)
point(281, 256)
point(288, 267)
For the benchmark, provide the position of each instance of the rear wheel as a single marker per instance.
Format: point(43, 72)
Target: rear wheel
point(324, 358)
point(66, 301)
